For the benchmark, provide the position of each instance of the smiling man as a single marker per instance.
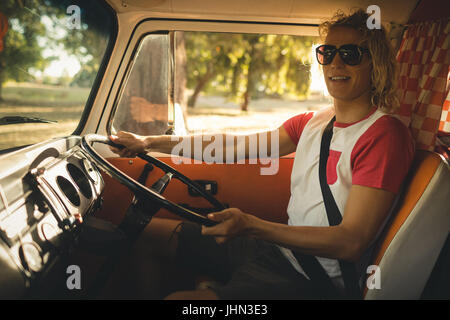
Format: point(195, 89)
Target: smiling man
point(370, 153)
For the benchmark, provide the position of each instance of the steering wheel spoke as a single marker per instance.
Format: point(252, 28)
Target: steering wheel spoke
point(162, 183)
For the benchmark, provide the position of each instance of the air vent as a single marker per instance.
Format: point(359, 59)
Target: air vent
point(80, 180)
point(69, 190)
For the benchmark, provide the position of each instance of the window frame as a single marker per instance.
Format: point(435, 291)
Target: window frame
point(129, 69)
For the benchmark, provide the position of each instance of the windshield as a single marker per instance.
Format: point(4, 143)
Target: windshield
point(50, 54)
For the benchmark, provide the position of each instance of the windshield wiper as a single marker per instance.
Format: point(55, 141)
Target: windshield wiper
point(20, 119)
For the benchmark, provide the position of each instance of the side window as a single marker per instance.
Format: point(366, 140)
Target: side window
point(143, 106)
point(219, 82)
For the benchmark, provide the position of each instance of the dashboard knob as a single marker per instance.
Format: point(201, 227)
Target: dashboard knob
point(72, 221)
point(78, 218)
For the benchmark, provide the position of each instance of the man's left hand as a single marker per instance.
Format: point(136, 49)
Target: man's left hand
point(232, 222)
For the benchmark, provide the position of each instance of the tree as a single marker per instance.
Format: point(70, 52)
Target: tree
point(36, 25)
point(254, 58)
point(21, 48)
point(243, 66)
point(207, 55)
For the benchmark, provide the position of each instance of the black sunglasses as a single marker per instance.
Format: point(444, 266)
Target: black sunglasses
point(351, 54)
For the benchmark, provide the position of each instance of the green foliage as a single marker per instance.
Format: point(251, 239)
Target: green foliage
point(85, 77)
point(21, 48)
point(252, 65)
point(39, 25)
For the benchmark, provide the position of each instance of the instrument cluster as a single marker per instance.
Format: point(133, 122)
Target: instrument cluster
point(43, 224)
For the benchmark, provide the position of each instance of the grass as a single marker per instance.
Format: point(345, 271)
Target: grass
point(216, 114)
point(44, 95)
point(62, 104)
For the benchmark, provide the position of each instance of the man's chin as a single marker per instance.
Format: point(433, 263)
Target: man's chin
point(345, 96)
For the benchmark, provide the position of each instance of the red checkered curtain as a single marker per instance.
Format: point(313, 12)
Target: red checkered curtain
point(443, 138)
point(444, 125)
point(424, 58)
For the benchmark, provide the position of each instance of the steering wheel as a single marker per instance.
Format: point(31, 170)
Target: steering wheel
point(152, 194)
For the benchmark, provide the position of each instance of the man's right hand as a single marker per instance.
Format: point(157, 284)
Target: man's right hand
point(133, 144)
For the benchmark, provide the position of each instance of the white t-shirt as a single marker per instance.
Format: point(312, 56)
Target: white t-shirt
point(375, 151)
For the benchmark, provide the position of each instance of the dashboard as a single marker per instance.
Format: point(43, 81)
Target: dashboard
point(46, 192)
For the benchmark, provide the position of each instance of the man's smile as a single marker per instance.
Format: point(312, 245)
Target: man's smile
point(339, 78)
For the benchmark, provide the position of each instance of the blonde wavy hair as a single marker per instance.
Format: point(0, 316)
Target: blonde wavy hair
point(384, 65)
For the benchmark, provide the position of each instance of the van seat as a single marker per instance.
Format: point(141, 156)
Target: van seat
point(412, 240)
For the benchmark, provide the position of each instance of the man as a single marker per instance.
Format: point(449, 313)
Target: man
point(369, 156)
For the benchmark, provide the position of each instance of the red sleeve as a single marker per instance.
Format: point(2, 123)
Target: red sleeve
point(295, 125)
point(382, 156)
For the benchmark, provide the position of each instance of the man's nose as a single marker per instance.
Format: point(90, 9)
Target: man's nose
point(337, 61)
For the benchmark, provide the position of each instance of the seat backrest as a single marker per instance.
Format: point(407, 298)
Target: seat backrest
point(411, 242)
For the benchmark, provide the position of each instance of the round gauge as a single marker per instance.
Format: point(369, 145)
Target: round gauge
point(30, 254)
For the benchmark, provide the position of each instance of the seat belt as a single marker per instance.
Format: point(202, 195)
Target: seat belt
point(309, 263)
point(317, 274)
point(348, 269)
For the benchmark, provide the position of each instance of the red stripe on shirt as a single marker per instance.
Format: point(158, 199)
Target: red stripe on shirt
point(382, 156)
point(295, 125)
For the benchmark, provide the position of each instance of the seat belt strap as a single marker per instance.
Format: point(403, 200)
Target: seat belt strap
point(310, 264)
point(317, 274)
point(348, 269)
